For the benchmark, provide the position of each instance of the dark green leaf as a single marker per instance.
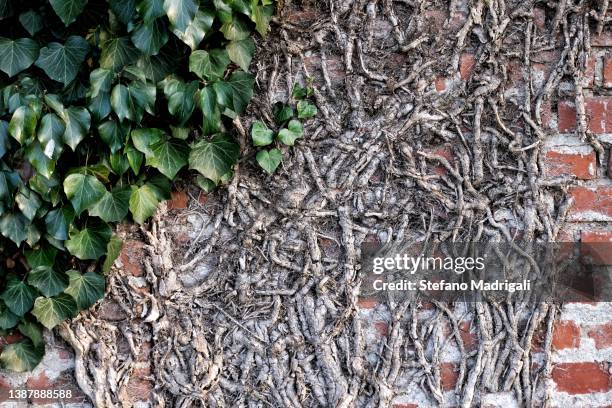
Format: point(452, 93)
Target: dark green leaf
point(100, 82)
point(143, 203)
point(180, 12)
point(261, 135)
point(83, 191)
point(236, 29)
point(22, 356)
point(77, 121)
point(215, 157)
point(4, 137)
point(31, 21)
point(209, 65)
point(149, 10)
point(42, 256)
point(235, 93)
point(181, 97)
point(207, 185)
point(161, 185)
point(306, 110)
point(13, 227)
point(210, 110)
point(113, 206)
point(135, 158)
point(58, 221)
point(36, 156)
point(17, 55)
point(197, 28)
point(117, 53)
point(113, 134)
point(282, 112)
point(144, 138)
point(23, 124)
point(86, 289)
point(90, 242)
point(52, 311)
point(28, 202)
point(169, 156)
point(113, 249)
point(33, 331)
point(123, 9)
point(50, 134)
point(47, 280)
point(8, 319)
point(149, 38)
point(119, 163)
point(241, 52)
point(18, 296)
point(62, 62)
point(68, 10)
point(269, 160)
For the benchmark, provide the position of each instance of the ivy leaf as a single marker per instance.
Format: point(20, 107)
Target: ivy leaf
point(210, 110)
point(4, 137)
point(261, 135)
point(235, 93)
point(100, 106)
point(144, 138)
point(150, 37)
point(269, 160)
point(33, 331)
point(77, 122)
point(83, 191)
point(8, 319)
point(261, 16)
point(86, 289)
point(37, 158)
point(181, 98)
point(100, 82)
point(117, 53)
point(215, 157)
point(52, 311)
point(90, 242)
point(113, 206)
point(207, 185)
point(241, 52)
point(197, 29)
point(43, 256)
point(120, 102)
point(180, 12)
point(58, 221)
point(293, 132)
point(23, 124)
point(113, 134)
point(49, 281)
point(31, 21)
point(113, 250)
point(13, 227)
point(28, 202)
point(149, 10)
point(209, 65)
point(18, 296)
point(68, 10)
point(22, 356)
point(134, 157)
point(282, 112)
point(169, 156)
point(143, 203)
point(17, 55)
point(235, 29)
point(62, 62)
point(119, 163)
point(49, 135)
point(161, 185)
point(306, 110)
point(123, 9)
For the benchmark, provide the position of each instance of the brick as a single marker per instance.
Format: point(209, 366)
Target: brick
point(581, 378)
point(382, 328)
point(467, 63)
point(440, 84)
point(566, 334)
point(367, 303)
point(591, 203)
point(596, 248)
point(563, 163)
point(602, 40)
point(589, 72)
point(5, 386)
point(449, 373)
point(598, 119)
point(607, 72)
point(131, 255)
point(178, 201)
point(139, 387)
point(470, 341)
point(602, 334)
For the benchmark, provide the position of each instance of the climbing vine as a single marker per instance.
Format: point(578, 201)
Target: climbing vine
point(102, 105)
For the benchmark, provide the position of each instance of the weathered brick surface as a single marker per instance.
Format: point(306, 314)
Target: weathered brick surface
point(566, 334)
point(593, 203)
point(582, 378)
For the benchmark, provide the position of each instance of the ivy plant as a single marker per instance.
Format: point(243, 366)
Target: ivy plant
point(289, 124)
point(102, 105)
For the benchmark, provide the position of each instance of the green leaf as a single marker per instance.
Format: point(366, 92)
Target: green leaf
point(90, 242)
point(113, 206)
point(42, 256)
point(119, 163)
point(209, 65)
point(169, 156)
point(210, 110)
point(207, 185)
point(22, 356)
point(18, 296)
point(215, 157)
point(117, 53)
point(49, 135)
point(197, 28)
point(149, 10)
point(31, 21)
point(62, 62)
point(135, 158)
point(83, 191)
point(23, 124)
point(121, 103)
point(33, 331)
point(113, 250)
point(28, 202)
point(47, 280)
point(36, 156)
point(261, 135)
point(4, 137)
point(123, 9)
point(58, 221)
point(241, 52)
point(161, 185)
point(293, 132)
point(269, 160)
point(235, 93)
point(52, 311)
point(100, 106)
point(77, 122)
point(144, 138)
point(68, 10)
point(150, 37)
point(236, 29)
point(113, 134)
point(17, 55)
point(306, 110)
point(261, 16)
point(8, 319)
point(100, 82)
point(180, 12)
point(13, 227)
point(282, 112)
point(143, 203)
point(181, 98)
point(86, 289)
